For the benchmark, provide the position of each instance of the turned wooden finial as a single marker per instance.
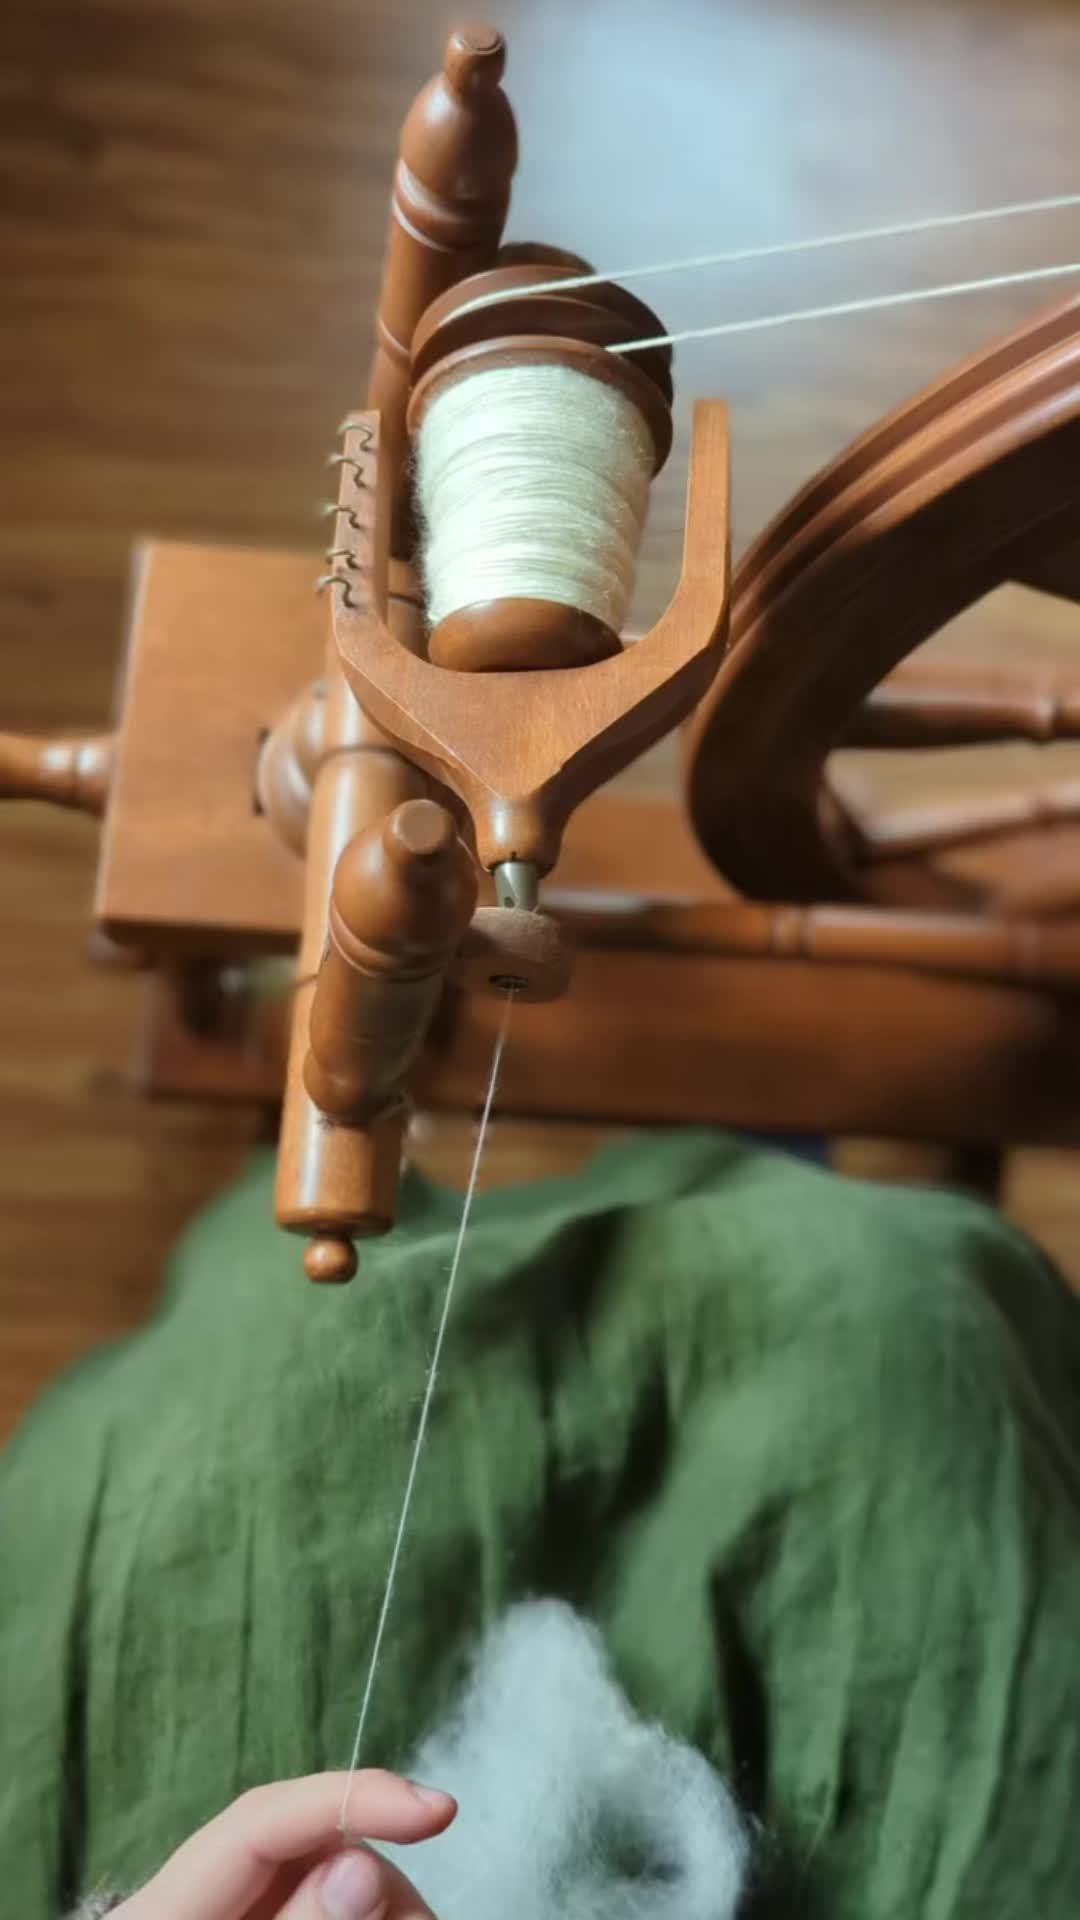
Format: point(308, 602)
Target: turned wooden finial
point(402, 897)
point(450, 197)
point(69, 773)
point(474, 60)
point(330, 1261)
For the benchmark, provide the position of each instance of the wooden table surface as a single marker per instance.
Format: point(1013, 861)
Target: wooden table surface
point(190, 238)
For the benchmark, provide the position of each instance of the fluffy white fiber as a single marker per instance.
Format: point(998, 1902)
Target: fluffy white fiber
point(533, 482)
point(570, 1808)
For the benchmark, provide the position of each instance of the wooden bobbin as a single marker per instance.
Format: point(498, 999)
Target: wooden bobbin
point(469, 330)
point(521, 753)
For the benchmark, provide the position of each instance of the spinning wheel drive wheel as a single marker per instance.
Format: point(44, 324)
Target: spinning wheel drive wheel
point(973, 484)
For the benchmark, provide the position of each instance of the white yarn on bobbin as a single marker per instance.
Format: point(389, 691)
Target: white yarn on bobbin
point(533, 483)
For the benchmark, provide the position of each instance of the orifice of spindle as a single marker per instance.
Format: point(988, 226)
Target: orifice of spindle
point(402, 897)
point(449, 202)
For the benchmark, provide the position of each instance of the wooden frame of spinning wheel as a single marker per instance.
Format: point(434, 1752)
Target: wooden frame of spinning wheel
point(687, 1004)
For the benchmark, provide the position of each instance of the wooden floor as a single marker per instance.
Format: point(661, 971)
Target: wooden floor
point(190, 236)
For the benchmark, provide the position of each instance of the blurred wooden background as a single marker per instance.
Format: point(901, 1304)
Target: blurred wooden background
point(190, 236)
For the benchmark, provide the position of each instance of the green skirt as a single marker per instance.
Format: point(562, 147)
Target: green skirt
point(807, 1450)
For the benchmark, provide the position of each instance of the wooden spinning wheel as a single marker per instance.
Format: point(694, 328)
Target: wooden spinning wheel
point(423, 817)
point(972, 484)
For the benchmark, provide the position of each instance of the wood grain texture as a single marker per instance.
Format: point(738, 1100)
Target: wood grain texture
point(190, 238)
point(956, 1057)
point(187, 854)
point(970, 485)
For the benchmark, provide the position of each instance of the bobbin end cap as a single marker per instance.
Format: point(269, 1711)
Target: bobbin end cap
point(475, 58)
point(516, 634)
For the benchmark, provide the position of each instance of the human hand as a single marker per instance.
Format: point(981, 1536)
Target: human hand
point(277, 1854)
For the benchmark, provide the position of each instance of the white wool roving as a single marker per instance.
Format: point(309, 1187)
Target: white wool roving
point(533, 482)
point(570, 1807)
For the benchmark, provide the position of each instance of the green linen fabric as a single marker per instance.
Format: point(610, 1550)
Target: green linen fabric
point(808, 1450)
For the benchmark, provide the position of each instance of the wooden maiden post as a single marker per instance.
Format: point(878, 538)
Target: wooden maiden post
point(402, 897)
point(529, 701)
point(337, 1176)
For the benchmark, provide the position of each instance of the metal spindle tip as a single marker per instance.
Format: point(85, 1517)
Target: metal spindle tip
point(517, 884)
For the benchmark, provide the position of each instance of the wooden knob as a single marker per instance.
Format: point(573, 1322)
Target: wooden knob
point(459, 148)
point(70, 773)
point(329, 1261)
point(475, 59)
point(402, 897)
point(450, 196)
point(403, 891)
point(418, 831)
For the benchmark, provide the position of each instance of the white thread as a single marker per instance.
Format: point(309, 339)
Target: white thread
point(909, 298)
point(779, 248)
point(425, 1412)
point(533, 482)
point(696, 262)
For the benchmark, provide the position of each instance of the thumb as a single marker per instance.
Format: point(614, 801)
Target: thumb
point(356, 1885)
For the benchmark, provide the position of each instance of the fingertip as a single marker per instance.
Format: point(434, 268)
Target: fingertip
point(352, 1886)
point(441, 1806)
point(383, 1806)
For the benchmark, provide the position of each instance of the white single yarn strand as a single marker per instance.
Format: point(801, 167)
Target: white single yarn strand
point(778, 249)
point(425, 1414)
point(909, 297)
point(533, 483)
